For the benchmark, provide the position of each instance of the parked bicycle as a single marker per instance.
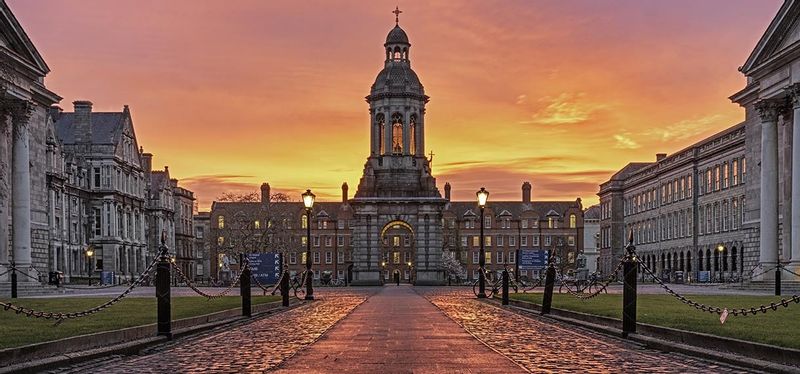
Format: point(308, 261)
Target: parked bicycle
point(590, 285)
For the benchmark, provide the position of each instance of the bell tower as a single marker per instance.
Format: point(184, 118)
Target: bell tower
point(397, 187)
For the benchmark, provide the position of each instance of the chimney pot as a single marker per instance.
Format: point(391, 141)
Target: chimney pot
point(345, 188)
point(526, 192)
point(265, 193)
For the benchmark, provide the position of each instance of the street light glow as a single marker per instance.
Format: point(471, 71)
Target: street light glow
point(483, 195)
point(308, 199)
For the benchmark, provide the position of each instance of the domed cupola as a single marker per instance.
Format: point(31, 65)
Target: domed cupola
point(397, 76)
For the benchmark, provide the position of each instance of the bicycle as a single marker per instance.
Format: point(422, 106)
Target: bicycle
point(298, 286)
point(490, 287)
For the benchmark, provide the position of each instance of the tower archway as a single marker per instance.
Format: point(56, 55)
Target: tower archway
point(397, 251)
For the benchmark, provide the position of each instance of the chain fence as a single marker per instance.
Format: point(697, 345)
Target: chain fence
point(611, 277)
point(200, 292)
point(715, 309)
point(60, 317)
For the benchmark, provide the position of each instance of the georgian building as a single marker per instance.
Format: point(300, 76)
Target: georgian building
point(684, 210)
point(204, 261)
point(185, 255)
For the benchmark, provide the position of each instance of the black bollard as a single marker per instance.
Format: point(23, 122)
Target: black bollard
point(163, 294)
point(629, 297)
point(778, 281)
point(244, 287)
point(549, 283)
point(505, 287)
point(13, 282)
point(285, 288)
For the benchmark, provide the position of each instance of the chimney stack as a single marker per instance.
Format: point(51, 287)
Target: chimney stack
point(526, 192)
point(344, 192)
point(147, 162)
point(447, 191)
point(83, 121)
point(265, 193)
point(660, 156)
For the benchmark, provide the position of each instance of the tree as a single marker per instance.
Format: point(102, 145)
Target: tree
point(452, 266)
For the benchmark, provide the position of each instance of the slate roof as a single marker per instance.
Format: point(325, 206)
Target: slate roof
point(516, 208)
point(397, 35)
point(106, 127)
point(592, 212)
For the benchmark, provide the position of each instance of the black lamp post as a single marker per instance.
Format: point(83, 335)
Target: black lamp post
point(483, 195)
point(518, 251)
point(308, 201)
point(721, 250)
point(89, 254)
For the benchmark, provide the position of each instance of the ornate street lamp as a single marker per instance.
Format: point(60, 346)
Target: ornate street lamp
point(308, 202)
point(483, 195)
point(89, 254)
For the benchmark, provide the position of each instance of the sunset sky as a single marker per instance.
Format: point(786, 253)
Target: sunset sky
point(558, 93)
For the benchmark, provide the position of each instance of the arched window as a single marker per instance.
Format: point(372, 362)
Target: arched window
point(397, 55)
point(412, 134)
point(380, 123)
point(572, 221)
point(397, 134)
point(303, 221)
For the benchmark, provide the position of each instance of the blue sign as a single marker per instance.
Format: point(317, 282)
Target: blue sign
point(704, 276)
point(107, 277)
point(532, 259)
point(265, 267)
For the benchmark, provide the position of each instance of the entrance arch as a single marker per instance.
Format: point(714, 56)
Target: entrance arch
point(397, 251)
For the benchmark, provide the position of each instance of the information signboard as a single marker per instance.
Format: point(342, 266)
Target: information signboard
point(532, 259)
point(265, 267)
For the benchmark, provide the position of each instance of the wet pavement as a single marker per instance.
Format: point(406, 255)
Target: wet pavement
point(400, 330)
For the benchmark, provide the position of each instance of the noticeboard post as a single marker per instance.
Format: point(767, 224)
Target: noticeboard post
point(265, 267)
point(532, 259)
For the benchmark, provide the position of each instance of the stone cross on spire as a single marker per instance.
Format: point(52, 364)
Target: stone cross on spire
point(397, 12)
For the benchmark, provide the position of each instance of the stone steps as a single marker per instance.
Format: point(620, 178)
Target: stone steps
point(787, 287)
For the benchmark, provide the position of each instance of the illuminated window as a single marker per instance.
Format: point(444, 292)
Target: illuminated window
point(397, 134)
point(488, 240)
point(735, 170)
point(571, 240)
point(221, 240)
point(221, 222)
point(304, 222)
point(476, 241)
point(257, 224)
point(303, 258)
point(488, 257)
point(572, 221)
point(396, 257)
point(412, 129)
point(303, 240)
point(380, 123)
point(396, 241)
point(725, 173)
point(551, 222)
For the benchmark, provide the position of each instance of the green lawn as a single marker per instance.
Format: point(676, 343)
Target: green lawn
point(781, 327)
point(17, 330)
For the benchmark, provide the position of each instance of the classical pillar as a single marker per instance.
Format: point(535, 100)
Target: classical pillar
point(794, 244)
point(768, 111)
point(5, 200)
point(21, 186)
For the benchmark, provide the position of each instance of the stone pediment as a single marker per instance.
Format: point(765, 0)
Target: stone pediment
point(14, 38)
point(782, 34)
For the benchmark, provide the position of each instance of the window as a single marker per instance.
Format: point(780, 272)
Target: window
point(512, 257)
point(535, 241)
point(328, 241)
point(683, 188)
point(475, 257)
point(689, 185)
point(571, 240)
point(512, 241)
point(303, 258)
point(572, 221)
point(716, 178)
point(407, 241)
point(328, 257)
point(523, 241)
point(476, 241)
point(303, 222)
point(709, 181)
point(340, 240)
point(551, 222)
point(488, 257)
point(221, 241)
point(293, 258)
point(547, 240)
point(499, 257)
point(488, 241)
point(524, 223)
point(303, 240)
point(735, 212)
point(221, 222)
point(463, 241)
point(397, 134)
point(340, 257)
point(316, 241)
point(257, 224)
point(744, 170)
point(725, 174)
point(735, 172)
point(396, 241)
point(487, 222)
point(396, 257)
point(499, 240)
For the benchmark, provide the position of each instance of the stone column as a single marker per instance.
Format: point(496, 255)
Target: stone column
point(21, 187)
point(768, 238)
point(5, 199)
point(795, 215)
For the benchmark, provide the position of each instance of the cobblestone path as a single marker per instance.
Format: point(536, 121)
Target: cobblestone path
point(546, 346)
point(397, 331)
point(246, 348)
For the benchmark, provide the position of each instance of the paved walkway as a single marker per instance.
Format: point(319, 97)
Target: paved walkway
point(398, 331)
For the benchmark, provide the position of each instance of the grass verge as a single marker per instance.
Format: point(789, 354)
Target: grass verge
point(781, 327)
point(18, 330)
